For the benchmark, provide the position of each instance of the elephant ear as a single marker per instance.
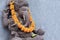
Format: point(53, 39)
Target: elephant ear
point(4, 19)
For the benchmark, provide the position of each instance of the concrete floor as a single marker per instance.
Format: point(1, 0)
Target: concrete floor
point(46, 14)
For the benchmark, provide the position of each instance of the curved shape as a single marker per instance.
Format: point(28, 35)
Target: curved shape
point(22, 27)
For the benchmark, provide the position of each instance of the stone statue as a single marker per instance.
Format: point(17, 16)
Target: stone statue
point(21, 7)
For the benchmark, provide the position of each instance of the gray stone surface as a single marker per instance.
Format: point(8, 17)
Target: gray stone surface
point(46, 13)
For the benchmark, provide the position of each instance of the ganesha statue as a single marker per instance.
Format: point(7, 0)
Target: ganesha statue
point(17, 19)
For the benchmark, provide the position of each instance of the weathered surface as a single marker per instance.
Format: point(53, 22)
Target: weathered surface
point(39, 32)
point(21, 8)
point(29, 38)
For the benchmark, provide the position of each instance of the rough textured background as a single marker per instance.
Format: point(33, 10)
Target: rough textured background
point(46, 13)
